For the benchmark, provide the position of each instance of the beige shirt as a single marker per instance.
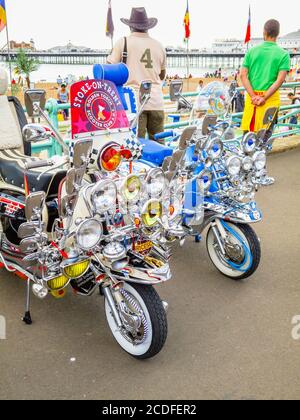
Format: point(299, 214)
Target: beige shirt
point(146, 60)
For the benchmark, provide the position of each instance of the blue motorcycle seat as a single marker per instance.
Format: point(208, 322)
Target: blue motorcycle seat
point(154, 152)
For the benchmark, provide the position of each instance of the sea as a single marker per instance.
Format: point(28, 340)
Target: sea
point(50, 72)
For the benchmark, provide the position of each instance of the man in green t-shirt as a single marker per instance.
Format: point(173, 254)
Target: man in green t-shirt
point(265, 69)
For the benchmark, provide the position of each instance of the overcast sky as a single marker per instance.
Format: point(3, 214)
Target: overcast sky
point(56, 22)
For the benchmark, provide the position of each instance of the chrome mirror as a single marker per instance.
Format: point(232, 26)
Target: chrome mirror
point(208, 122)
point(33, 133)
point(67, 206)
point(34, 205)
point(74, 179)
point(82, 153)
point(270, 115)
point(28, 246)
point(166, 164)
point(176, 159)
point(176, 87)
point(186, 137)
point(35, 101)
point(29, 229)
point(145, 90)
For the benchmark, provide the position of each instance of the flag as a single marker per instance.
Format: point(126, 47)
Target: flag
point(187, 23)
point(2, 15)
point(248, 34)
point(109, 22)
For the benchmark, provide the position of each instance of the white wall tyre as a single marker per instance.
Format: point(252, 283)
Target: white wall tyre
point(248, 267)
point(156, 330)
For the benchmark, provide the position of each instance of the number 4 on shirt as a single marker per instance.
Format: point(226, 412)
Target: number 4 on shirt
point(147, 59)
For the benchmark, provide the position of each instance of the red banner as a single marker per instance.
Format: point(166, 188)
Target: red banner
point(96, 106)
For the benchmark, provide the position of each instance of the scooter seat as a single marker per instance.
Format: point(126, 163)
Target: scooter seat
point(12, 169)
point(154, 152)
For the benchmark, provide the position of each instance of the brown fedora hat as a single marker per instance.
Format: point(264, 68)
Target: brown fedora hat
point(139, 19)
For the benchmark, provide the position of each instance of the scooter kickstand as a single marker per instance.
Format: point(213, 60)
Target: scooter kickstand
point(27, 317)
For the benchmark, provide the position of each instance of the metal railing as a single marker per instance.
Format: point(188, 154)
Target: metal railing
point(53, 109)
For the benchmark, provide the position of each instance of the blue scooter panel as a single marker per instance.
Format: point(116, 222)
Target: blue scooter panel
point(154, 152)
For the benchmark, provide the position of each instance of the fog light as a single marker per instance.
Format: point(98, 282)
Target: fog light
point(58, 283)
point(40, 291)
point(77, 270)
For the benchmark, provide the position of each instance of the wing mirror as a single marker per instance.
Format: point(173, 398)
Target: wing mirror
point(34, 205)
point(82, 153)
point(186, 137)
point(208, 122)
point(145, 91)
point(33, 133)
point(176, 87)
point(27, 230)
point(35, 101)
point(270, 115)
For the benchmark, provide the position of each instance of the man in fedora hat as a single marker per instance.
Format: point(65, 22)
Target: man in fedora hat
point(146, 60)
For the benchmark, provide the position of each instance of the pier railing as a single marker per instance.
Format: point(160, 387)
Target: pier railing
point(284, 127)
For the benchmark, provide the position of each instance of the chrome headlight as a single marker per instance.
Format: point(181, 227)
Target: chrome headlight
point(247, 164)
point(89, 234)
point(132, 188)
point(215, 147)
point(260, 160)
point(152, 213)
point(156, 183)
point(249, 143)
point(204, 181)
point(234, 165)
point(104, 196)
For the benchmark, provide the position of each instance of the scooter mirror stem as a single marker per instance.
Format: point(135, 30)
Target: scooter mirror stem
point(59, 138)
point(134, 123)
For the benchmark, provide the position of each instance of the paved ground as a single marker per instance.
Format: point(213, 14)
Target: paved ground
point(226, 340)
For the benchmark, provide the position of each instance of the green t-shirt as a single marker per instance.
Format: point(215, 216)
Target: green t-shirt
point(264, 63)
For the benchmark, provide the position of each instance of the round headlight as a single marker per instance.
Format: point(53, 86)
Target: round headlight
point(215, 148)
point(260, 160)
point(89, 234)
point(204, 181)
point(104, 196)
point(249, 143)
point(152, 212)
point(132, 188)
point(234, 165)
point(156, 183)
point(247, 164)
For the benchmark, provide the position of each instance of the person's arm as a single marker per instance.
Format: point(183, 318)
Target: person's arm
point(163, 75)
point(276, 86)
point(246, 83)
point(163, 72)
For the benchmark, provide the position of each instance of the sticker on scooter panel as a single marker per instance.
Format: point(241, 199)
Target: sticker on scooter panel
point(96, 106)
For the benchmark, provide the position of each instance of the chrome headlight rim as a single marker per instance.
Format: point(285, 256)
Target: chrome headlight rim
point(215, 141)
point(100, 186)
point(249, 142)
point(204, 188)
point(230, 165)
point(145, 212)
point(152, 174)
point(83, 225)
point(256, 158)
point(124, 189)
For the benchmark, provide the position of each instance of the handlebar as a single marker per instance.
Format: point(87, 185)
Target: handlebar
point(164, 135)
point(38, 164)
